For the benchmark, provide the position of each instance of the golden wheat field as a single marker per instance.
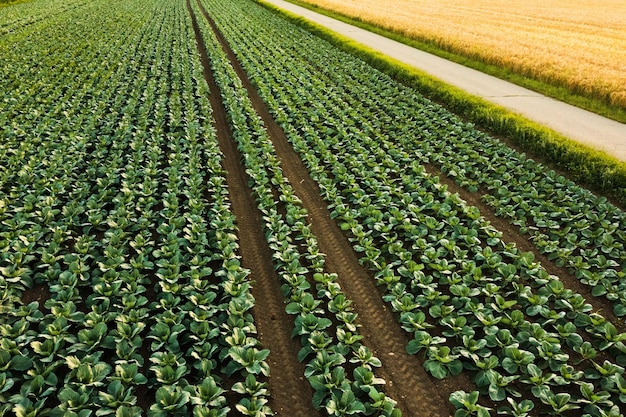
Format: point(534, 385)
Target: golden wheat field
point(577, 43)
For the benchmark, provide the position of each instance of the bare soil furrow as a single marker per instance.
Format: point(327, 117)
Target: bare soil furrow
point(291, 394)
point(406, 378)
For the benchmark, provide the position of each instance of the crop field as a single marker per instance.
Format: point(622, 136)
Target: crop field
point(206, 210)
point(579, 44)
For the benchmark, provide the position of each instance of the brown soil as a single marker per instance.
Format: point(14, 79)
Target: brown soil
point(291, 394)
point(39, 293)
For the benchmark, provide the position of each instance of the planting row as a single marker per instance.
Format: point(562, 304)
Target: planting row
point(491, 309)
point(121, 288)
point(339, 367)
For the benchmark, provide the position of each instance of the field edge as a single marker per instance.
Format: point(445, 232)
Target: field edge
point(594, 169)
point(590, 102)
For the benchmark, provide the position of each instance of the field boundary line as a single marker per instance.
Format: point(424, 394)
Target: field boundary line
point(582, 162)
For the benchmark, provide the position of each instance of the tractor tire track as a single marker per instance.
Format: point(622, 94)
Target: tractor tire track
point(290, 393)
point(416, 392)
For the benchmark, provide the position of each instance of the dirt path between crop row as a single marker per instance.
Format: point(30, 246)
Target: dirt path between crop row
point(290, 393)
point(417, 393)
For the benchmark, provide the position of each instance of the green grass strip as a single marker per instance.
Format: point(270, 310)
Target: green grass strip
point(595, 169)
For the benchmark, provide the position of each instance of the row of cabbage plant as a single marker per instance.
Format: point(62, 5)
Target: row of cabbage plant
point(126, 233)
point(330, 352)
point(481, 279)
